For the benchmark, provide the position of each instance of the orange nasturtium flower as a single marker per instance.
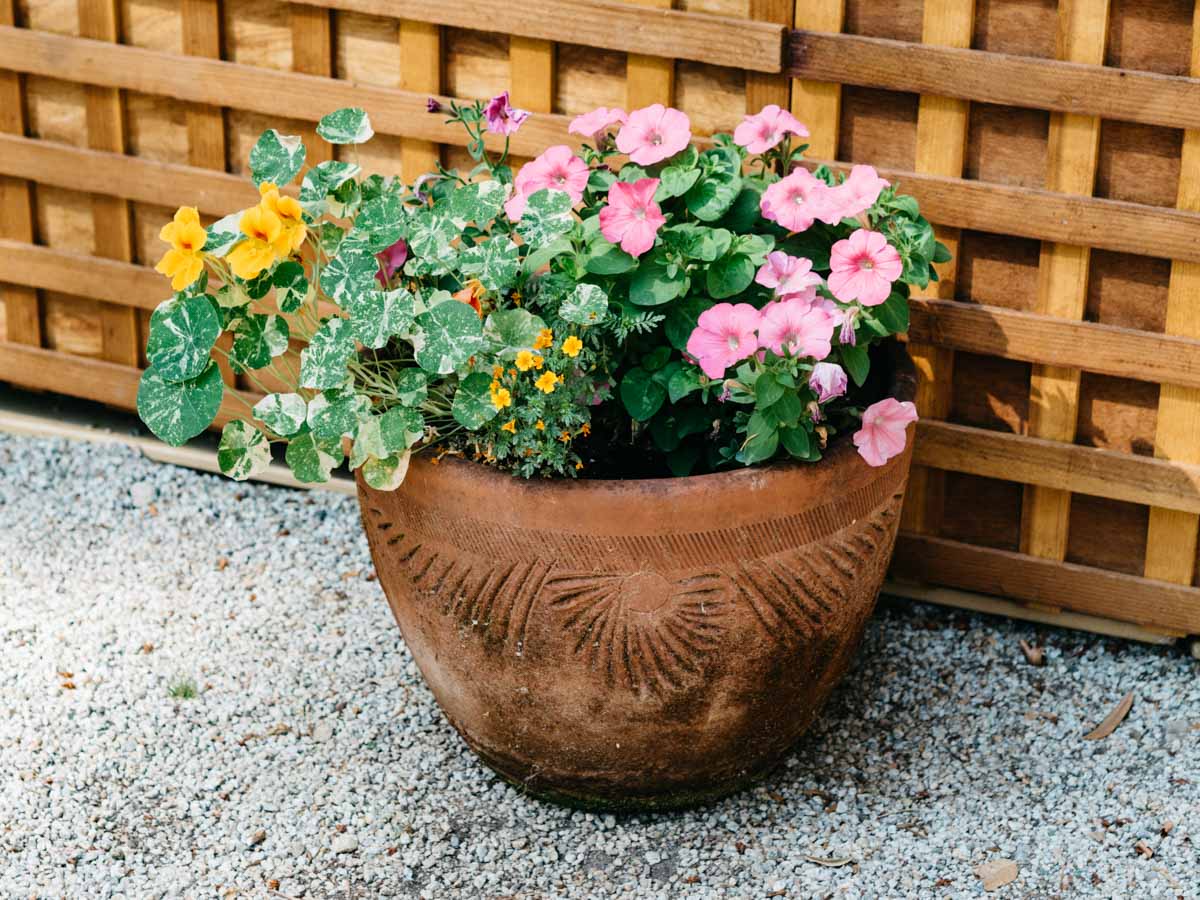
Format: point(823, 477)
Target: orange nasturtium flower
point(184, 262)
point(291, 217)
point(262, 229)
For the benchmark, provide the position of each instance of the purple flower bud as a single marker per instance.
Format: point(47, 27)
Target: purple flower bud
point(433, 105)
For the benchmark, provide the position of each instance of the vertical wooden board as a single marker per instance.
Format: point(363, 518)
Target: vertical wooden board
point(649, 79)
point(55, 110)
point(1007, 145)
point(763, 89)
point(153, 24)
point(1063, 274)
point(588, 77)
point(421, 69)
point(877, 127)
point(714, 98)
point(364, 48)
point(312, 54)
point(257, 34)
point(531, 74)
point(54, 16)
point(818, 104)
point(941, 150)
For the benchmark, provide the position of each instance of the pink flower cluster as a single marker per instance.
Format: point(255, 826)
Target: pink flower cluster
point(801, 198)
point(558, 168)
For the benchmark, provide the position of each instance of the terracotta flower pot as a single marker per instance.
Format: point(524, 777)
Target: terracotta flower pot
point(642, 643)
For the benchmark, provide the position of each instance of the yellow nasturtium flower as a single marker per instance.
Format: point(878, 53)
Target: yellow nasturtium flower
point(290, 215)
point(184, 262)
point(262, 229)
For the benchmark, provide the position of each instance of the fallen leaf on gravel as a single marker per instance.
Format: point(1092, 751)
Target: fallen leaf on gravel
point(740, 847)
point(273, 884)
point(1112, 720)
point(996, 873)
point(147, 647)
point(832, 863)
point(1035, 656)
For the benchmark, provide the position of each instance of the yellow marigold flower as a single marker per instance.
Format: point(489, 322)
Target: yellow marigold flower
point(510, 426)
point(578, 466)
point(546, 383)
point(501, 398)
point(545, 340)
point(540, 426)
point(262, 229)
point(525, 360)
point(571, 346)
point(497, 372)
point(184, 262)
point(291, 217)
point(538, 362)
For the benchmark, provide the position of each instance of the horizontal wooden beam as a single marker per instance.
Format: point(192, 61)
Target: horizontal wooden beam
point(717, 40)
point(1014, 334)
point(123, 283)
point(1108, 92)
point(1049, 583)
point(1067, 467)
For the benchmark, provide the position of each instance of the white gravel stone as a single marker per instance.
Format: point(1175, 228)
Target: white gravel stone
point(942, 751)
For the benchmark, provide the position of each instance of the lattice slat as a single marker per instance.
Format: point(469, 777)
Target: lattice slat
point(818, 104)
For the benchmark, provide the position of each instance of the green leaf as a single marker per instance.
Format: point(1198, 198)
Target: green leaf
point(795, 441)
point(472, 407)
point(277, 158)
point(941, 253)
point(386, 474)
point(412, 387)
point(543, 255)
point(257, 340)
point(376, 316)
point(312, 458)
point(653, 284)
point(603, 258)
point(893, 313)
point(511, 330)
point(675, 181)
point(291, 286)
point(683, 381)
point(224, 234)
point(178, 410)
point(478, 202)
point(701, 242)
point(346, 126)
point(587, 305)
point(767, 390)
point(547, 216)
point(712, 196)
point(244, 451)
point(322, 180)
point(350, 274)
point(381, 222)
point(336, 414)
point(284, 414)
point(323, 362)
point(682, 460)
point(905, 204)
point(183, 331)
point(642, 395)
point(762, 440)
point(682, 319)
point(400, 428)
point(856, 362)
point(495, 262)
point(450, 335)
point(745, 212)
point(430, 234)
point(730, 275)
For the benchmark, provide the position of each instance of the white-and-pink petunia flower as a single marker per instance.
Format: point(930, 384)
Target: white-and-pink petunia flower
point(828, 380)
point(761, 132)
point(857, 193)
point(797, 201)
point(632, 218)
point(597, 122)
point(558, 168)
point(724, 335)
point(884, 430)
point(653, 134)
point(797, 328)
point(789, 276)
point(863, 267)
point(501, 116)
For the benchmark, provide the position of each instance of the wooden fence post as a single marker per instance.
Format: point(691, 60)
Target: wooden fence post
point(818, 104)
point(649, 79)
point(312, 54)
point(420, 70)
point(763, 89)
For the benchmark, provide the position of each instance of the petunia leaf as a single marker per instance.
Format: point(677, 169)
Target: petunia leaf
point(244, 451)
point(351, 125)
point(277, 158)
point(178, 410)
point(183, 331)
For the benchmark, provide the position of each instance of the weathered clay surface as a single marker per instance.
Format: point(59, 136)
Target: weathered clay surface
point(633, 644)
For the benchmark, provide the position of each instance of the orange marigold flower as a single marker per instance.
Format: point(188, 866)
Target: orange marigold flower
point(538, 362)
point(546, 382)
point(510, 426)
point(184, 262)
point(497, 372)
point(540, 426)
point(578, 465)
point(501, 398)
point(545, 340)
point(565, 437)
point(571, 346)
point(585, 429)
point(525, 360)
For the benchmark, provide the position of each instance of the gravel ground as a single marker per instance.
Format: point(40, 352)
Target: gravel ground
point(311, 760)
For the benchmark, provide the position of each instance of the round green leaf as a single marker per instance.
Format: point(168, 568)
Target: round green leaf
point(473, 407)
point(350, 274)
point(587, 305)
point(277, 158)
point(547, 216)
point(291, 285)
point(284, 414)
point(400, 428)
point(729, 276)
point(450, 335)
point(378, 315)
point(652, 284)
point(642, 395)
point(388, 473)
point(323, 362)
point(412, 387)
point(244, 451)
point(381, 221)
point(511, 330)
point(604, 258)
point(311, 458)
point(346, 126)
point(478, 202)
point(322, 180)
point(495, 262)
point(335, 414)
point(257, 340)
point(183, 331)
point(178, 410)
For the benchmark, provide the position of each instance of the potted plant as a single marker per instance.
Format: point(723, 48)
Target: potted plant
point(679, 351)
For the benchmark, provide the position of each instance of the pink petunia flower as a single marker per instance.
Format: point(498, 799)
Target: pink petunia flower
point(724, 335)
point(390, 261)
point(828, 380)
point(863, 267)
point(598, 121)
point(857, 193)
point(797, 328)
point(632, 218)
point(884, 430)
point(760, 133)
point(558, 168)
point(501, 116)
point(797, 201)
point(653, 134)
point(789, 276)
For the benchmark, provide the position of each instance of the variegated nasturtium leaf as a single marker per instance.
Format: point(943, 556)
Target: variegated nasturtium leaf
point(450, 335)
point(335, 414)
point(244, 451)
point(512, 330)
point(323, 362)
point(425, 266)
point(472, 407)
point(378, 315)
point(282, 413)
point(322, 180)
point(381, 221)
point(430, 234)
point(547, 216)
point(178, 410)
point(388, 473)
point(330, 237)
point(277, 158)
point(223, 234)
point(231, 296)
point(478, 202)
point(291, 285)
point(312, 458)
point(257, 340)
point(495, 262)
point(183, 331)
point(346, 126)
point(350, 274)
point(586, 305)
point(400, 428)
point(412, 387)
